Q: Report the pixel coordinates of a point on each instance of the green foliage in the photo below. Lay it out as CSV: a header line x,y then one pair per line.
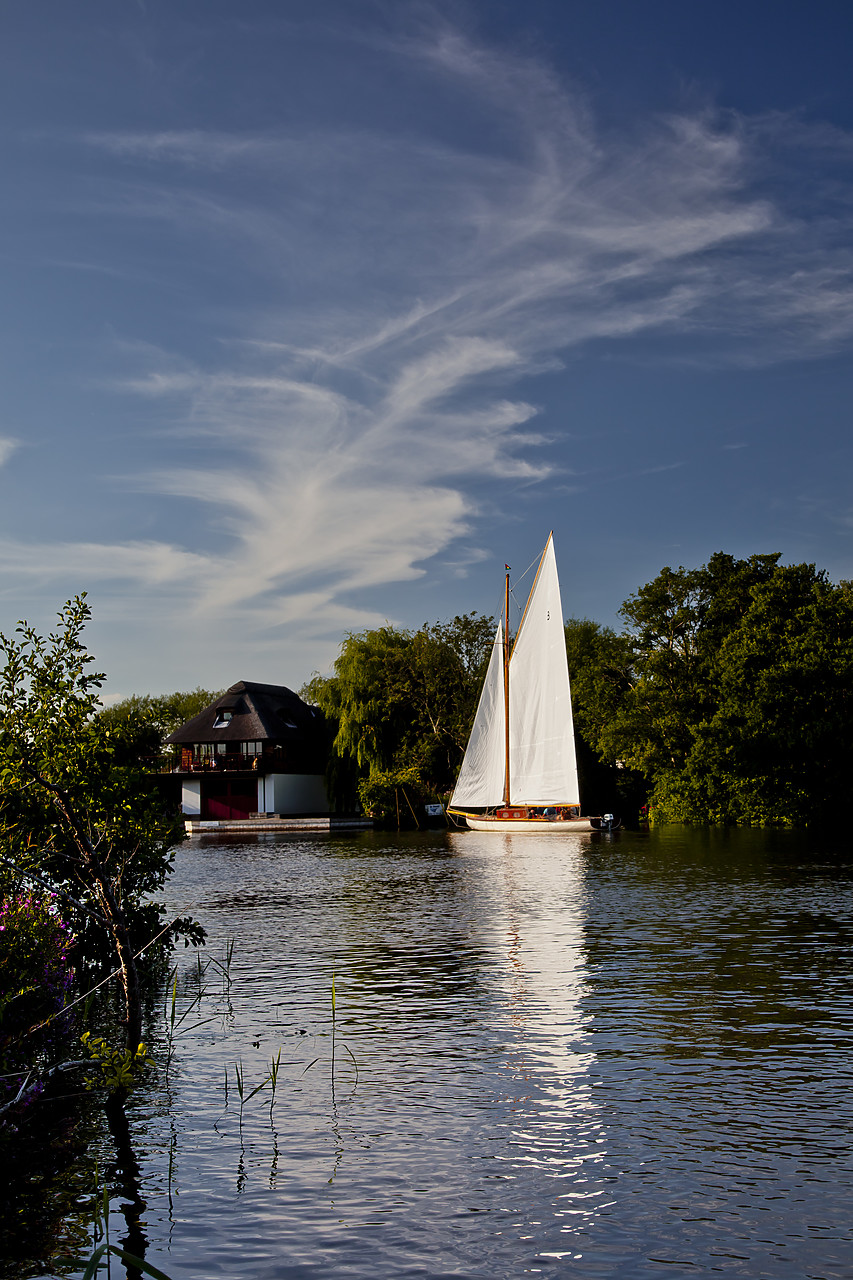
x,y
678,622
738,710
601,674
118,1069
403,701
778,747
142,722
76,817
392,795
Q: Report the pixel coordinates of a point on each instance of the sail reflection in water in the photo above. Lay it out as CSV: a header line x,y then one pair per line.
x,y
549,1125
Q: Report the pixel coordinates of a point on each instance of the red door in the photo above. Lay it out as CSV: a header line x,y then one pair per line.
x,y
229,797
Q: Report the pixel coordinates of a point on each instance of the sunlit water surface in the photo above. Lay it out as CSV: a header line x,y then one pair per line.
x,y
593,1056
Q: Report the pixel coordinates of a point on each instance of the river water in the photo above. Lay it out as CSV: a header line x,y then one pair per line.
x,y
598,1056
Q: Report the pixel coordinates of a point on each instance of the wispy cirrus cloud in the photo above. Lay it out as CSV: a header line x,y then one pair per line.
x,y
344,436
154,564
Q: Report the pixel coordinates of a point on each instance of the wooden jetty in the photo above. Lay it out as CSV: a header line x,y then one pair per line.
x,y
274,822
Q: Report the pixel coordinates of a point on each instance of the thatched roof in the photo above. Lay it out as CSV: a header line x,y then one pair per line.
x,y
249,712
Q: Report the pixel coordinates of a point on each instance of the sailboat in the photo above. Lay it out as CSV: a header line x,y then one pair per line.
x,y
520,770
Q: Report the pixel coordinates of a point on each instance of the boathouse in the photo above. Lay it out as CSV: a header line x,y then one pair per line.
x,y
259,749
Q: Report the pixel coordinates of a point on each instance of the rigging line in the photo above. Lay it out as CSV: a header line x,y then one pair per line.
x,y
498,613
532,565
518,582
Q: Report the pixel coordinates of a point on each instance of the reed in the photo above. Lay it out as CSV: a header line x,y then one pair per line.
x,y
170,1028
275,1063
238,1074
222,967
333,1032
245,1097
344,1045
175,1021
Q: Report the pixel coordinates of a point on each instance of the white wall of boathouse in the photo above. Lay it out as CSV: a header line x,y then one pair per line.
x,y
191,795
292,793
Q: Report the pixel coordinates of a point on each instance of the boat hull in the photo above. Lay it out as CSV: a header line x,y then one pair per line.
x,y
529,826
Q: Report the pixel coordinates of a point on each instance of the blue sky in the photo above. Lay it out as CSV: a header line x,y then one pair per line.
x,y
315,314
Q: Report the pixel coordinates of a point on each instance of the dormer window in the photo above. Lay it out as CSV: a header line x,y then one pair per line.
x,y
223,719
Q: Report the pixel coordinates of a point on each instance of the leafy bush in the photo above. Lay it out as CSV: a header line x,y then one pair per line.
x,y
393,796
75,815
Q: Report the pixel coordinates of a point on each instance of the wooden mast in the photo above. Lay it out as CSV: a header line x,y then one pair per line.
x,y
506,693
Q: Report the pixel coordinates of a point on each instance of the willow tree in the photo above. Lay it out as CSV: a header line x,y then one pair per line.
x,y
402,703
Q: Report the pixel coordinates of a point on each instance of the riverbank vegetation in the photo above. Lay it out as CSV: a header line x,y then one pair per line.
x,y
85,845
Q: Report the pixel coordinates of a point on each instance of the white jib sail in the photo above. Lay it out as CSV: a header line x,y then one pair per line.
x,y
481,778
542,765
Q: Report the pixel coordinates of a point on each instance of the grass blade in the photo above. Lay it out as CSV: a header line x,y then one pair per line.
x,y
93,1265
131,1260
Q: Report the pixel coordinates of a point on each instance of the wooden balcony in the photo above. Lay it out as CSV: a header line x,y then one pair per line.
x,y
232,762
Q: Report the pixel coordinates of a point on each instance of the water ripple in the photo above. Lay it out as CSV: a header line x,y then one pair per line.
x,y
600,1057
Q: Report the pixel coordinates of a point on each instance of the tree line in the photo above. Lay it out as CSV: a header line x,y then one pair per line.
x,y
729,693
726,698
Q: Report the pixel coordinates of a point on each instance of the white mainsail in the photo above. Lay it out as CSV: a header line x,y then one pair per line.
x,y
481,778
542,763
